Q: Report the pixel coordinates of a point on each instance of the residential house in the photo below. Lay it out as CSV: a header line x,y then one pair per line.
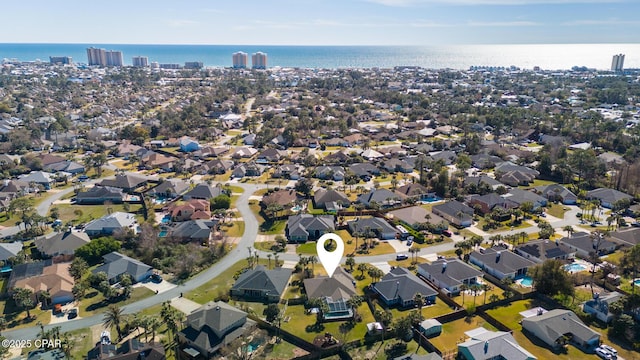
x,y
555,192
449,274
335,291
250,168
447,157
116,265
584,245
540,251
131,349
556,325
287,171
371,154
194,231
271,156
212,326
154,160
126,149
381,197
335,173
600,304
500,262
337,157
9,250
455,213
608,197
61,243
217,166
284,198
520,197
396,165
66,166
330,199
107,224
169,189
188,145
400,286
626,237
127,182
509,167
261,284
100,195
364,170
417,216
483,344
193,209
42,178
372,227
304,227
516,178
412,191
476,183
485,161
243,153
249,139
44,276
489,202
203,191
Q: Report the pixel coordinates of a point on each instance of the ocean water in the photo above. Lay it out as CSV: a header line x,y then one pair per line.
x,y
547,56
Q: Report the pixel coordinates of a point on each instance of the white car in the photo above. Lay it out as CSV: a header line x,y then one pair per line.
x,y
603,354
610,350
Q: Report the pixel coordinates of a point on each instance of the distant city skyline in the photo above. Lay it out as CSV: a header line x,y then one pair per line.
x,y
324,22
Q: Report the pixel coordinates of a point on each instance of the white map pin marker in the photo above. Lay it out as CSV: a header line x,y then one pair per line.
x,y
330,260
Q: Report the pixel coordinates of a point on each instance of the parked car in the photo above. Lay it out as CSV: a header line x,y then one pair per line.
x,y
156,278
610,349
447,233
603,354
72,314
409,242
402,257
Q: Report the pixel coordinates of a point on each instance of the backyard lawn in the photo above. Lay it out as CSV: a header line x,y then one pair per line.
x,y
509,316
453,332
84,213
16,318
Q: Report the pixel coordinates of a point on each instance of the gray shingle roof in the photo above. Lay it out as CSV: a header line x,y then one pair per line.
x,y
544,249
555,323
450,272
113,221
193,229
217,316
381,196
608,195
126,181
495,344
61,243
272,281
203,191
117,264
501,259
9,250
336,287
402,284
174,186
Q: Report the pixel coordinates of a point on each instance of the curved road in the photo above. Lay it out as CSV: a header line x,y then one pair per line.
x,y
238,253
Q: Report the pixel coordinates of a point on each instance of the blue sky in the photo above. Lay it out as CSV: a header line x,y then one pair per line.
x,y
321,22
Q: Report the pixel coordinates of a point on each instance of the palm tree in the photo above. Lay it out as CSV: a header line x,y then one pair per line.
x,y
112,318
493,298
463,289
362,267
350,262
486,288
419,300
24,299
275,259
269,258
354,302
568,229
313,260
3,324
45,297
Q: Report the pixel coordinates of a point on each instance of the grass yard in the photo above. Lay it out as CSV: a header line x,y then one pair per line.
x,y
17,318
556,210
93,302
376,351
235,230
218,285
235,189
382,248
469,299
82,343
453,332
509,315
430,311
280,351
504,225
407,263
304,325
85,213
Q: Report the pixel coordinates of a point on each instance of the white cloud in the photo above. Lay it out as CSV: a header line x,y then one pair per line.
x,y
600,22
503,23
406,3
177,23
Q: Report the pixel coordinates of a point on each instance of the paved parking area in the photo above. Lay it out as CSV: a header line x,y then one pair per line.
x,y
185,305
160,287
62,316
383,265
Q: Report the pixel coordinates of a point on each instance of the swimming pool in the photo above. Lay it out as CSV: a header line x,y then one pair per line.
x,y
163,233
526,281
296,208
574,267
166,219
636,282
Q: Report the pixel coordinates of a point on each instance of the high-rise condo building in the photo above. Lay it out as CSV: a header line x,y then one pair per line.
x,y
102,57
140,61
259,60
96,56
63,60
240,60
193,65
617,64
114,58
